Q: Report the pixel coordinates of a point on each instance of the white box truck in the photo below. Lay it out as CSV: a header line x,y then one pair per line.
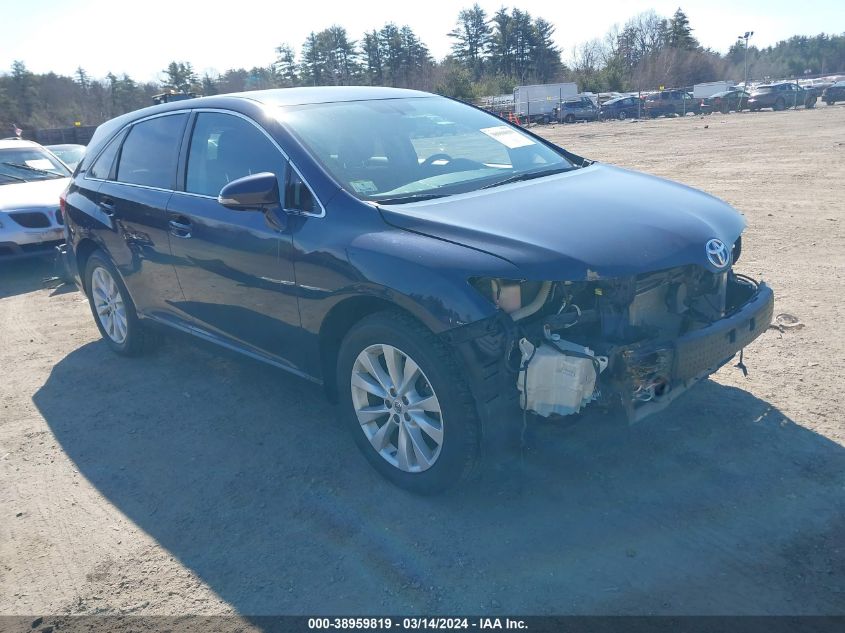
x,y
708,89
538,102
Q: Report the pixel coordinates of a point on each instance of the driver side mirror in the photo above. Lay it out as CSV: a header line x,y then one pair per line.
x,y
256,191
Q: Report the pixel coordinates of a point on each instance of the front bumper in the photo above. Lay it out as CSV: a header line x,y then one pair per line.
x,y
688,359
18,241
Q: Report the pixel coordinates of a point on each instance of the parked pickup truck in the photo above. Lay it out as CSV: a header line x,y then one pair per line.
x,y
834,93
670,102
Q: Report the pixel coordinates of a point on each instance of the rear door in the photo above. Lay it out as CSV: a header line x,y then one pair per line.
x,y
234,267
132,200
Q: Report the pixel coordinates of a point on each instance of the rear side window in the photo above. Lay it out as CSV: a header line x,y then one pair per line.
x,y
101,168
151,152
225,148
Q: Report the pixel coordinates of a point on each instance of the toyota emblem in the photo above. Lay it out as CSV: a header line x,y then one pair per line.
x,y
718,253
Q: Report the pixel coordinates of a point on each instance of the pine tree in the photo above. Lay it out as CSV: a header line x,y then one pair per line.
x,y
680,32
471,35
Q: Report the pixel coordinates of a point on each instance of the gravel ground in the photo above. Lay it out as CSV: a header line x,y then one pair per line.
x,y
192,481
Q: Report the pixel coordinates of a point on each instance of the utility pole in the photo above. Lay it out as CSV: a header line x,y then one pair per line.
x,y
746,37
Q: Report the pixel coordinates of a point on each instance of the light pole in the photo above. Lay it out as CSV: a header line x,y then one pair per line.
x,y
746,37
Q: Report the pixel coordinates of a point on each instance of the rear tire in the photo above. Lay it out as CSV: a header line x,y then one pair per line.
x,y
622,115
112,307
780,104
387,364
569,118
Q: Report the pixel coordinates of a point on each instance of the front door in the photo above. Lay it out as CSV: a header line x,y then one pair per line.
x,y
235,268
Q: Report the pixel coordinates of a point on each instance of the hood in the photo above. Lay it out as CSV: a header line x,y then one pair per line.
x,y
595,222
36,194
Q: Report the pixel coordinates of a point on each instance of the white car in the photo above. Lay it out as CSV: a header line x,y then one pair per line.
x,y
31,180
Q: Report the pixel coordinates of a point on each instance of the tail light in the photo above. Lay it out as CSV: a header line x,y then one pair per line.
x,y
60,212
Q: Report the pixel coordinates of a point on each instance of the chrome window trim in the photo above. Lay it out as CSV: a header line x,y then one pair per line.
x,y
293,166
188,111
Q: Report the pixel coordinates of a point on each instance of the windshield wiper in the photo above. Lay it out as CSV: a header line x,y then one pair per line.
x,y
416,197
529,175
40,171
10,176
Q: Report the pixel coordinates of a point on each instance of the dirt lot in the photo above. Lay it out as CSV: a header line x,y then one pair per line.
x,y
189,481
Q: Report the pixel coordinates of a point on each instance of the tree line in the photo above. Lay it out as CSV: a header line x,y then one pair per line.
x,y
490,54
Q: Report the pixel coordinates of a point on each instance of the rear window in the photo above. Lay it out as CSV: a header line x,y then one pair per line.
x,y
151,151
102,166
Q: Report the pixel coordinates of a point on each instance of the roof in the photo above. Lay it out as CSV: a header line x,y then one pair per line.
x,y
326,94
10,143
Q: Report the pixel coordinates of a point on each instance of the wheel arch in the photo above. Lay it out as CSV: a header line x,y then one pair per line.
x,y
83,251
339,321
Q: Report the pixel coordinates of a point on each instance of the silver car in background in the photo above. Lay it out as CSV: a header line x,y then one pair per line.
x,y
31,181
69,153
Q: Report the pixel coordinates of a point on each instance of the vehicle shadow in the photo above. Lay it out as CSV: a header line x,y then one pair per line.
x,y
24,275
719,505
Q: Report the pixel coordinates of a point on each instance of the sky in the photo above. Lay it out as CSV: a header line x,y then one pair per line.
x,y
141,38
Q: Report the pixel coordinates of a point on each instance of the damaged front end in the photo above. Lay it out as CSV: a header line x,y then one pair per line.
x,y
638,342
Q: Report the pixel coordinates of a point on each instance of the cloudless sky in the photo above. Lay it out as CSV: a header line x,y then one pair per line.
x,y
141,38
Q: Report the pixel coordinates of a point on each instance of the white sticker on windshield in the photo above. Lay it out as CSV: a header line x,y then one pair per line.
x,y
507,136
39,163
363,186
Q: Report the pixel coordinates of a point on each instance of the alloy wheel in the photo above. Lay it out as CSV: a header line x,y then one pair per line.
x,y
108,304
397,408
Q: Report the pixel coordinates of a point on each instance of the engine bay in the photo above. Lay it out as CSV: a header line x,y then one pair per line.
x,y
635,341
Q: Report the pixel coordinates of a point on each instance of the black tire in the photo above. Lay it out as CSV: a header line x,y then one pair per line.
x,y
725,108
622,115
569,118
780,104
830,101
810,103
133,343
459,453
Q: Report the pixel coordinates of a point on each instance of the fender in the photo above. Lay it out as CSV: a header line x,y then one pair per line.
x,y
427,277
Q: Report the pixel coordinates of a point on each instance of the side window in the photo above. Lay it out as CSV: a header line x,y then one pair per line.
x,y
101,168
224,148
151,151
298,196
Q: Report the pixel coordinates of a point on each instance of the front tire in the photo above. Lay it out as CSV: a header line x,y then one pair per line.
x,y
407,404
112,307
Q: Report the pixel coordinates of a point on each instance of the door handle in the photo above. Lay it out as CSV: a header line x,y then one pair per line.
x,y
180,228
107,206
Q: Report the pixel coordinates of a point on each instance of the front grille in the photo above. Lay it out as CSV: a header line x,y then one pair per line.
x,y
31,219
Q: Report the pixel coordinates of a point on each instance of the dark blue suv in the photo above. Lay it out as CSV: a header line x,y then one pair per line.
x,y
440,271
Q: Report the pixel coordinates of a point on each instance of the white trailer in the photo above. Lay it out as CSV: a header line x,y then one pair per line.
x,y
708,89
540,100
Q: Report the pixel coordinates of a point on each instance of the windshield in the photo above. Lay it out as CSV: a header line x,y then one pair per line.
x,y
25,164
69,154
399,150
